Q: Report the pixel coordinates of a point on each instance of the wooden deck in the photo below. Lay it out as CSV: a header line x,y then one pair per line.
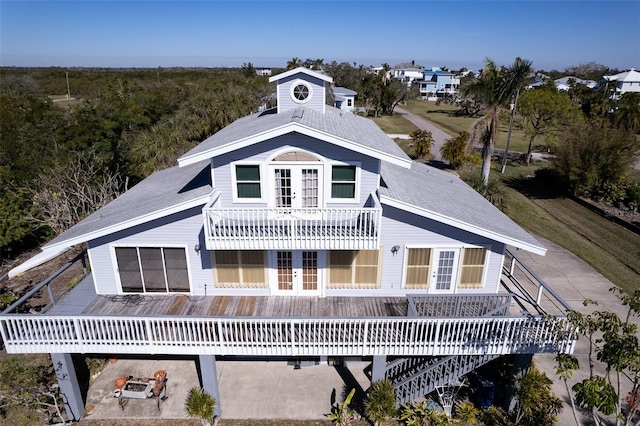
x,y
248,306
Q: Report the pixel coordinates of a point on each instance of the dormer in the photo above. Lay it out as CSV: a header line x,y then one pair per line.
x,y
301,87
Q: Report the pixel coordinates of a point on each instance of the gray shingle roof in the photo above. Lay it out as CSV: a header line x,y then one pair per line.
x,y
350,127
445,195
162,190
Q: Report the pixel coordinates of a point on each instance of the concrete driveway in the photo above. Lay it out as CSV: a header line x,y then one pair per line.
x,y
439,136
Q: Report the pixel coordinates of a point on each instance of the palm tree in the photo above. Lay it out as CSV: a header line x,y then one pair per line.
x,y
294,63
201,405
495,88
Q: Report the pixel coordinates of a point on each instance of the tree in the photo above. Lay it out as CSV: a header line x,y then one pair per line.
x,y
294,63
342,414
496,87
29,383
546,112
248,70
454,150
592,157
614,342
422,141
201,405
380,404
422,414
627,112
535,402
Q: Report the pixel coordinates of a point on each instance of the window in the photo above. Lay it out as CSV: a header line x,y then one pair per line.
x,y
349,102
354,269
301,92
152,269
248,181
418,268
343,182
240,268
473,261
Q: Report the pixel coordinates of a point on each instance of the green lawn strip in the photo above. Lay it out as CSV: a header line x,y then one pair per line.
x,y
395,124
442,116
609,248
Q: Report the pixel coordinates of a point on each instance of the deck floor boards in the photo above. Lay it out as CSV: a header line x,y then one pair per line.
x,y
248,306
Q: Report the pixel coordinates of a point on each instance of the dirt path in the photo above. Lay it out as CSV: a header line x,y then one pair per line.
x,y
439,136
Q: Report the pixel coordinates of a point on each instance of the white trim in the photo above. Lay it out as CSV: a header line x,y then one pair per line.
x,y
43,257
177,208
114,264
463,225
291,128
296,168
485,269
234,189
302,70
358,179
300,82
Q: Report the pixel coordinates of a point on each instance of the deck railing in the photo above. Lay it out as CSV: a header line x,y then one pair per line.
x,y
292,228
284,336
467,305
534,296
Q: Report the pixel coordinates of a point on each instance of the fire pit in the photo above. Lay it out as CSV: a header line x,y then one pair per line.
x,y
142,388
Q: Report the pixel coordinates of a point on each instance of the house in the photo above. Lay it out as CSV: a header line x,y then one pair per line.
x,y
263,72
437,84
407,75
297,232
345,99
565,83
621,83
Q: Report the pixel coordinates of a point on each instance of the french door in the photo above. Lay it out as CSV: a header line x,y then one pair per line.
x,y
297,186
296,273
444,271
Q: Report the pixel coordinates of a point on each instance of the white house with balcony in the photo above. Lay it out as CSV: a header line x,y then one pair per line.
x,y
621,83
298,232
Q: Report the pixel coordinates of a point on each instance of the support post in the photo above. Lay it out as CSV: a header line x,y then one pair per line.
x,y
209,377
379,368
69,386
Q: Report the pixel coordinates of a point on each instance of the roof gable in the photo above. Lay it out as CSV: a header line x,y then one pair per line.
x,y
301,70
350,131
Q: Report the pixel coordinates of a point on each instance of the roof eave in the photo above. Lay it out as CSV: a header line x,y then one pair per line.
x,y
290,128
540,250
88,236
304,70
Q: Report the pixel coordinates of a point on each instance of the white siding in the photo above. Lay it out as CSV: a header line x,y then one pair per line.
x,y
266,150
180,229
316,100
402,229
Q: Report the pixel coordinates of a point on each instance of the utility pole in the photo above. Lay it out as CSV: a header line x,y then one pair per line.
x,y
506,148
68,91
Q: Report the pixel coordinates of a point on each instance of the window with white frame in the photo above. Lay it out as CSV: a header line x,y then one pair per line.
x,y
472,267
247,178
418,272
350,269
343,182
240,268
152,269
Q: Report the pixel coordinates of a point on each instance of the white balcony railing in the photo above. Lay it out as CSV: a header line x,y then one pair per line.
x,y
292,228
284,336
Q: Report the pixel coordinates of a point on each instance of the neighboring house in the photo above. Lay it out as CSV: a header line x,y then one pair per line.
x,y
564,83
345,99
619,84
407,75
303,233
437,84
263,72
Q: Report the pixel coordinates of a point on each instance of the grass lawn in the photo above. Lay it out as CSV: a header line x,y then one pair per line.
x,y
443,116
395,124
610,249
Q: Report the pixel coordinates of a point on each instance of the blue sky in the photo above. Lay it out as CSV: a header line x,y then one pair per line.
x,y
552,34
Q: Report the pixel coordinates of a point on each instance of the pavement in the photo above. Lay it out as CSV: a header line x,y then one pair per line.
x,y
274,389
439,136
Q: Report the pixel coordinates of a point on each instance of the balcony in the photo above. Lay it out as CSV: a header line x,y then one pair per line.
x,y
292,228
514,321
